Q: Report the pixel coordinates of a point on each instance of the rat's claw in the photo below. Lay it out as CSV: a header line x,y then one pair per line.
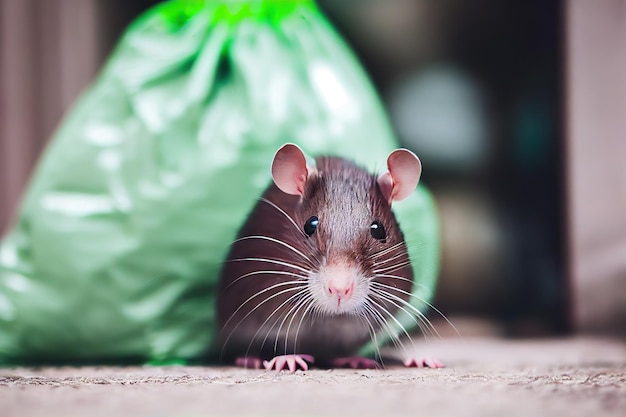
x,y
423,362
292,361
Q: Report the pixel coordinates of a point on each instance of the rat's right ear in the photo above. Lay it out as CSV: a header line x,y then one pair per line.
x,y
289,169
404,170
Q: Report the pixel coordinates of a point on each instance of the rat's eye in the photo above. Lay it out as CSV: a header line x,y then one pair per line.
x,y
311,225
378,231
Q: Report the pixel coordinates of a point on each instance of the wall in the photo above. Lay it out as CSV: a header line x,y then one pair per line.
x,y
49,50
596,123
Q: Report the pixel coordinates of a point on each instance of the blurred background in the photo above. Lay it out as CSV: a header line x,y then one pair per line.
x,y
516,109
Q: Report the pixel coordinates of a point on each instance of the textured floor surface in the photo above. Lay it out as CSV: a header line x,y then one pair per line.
x,y
484,377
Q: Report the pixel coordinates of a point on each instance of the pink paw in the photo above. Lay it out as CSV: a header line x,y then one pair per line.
x,y
249,362
355,363
292,362
423,363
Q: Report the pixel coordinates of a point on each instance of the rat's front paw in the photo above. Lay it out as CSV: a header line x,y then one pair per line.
x,y
423,363
356,362
251,362
291,362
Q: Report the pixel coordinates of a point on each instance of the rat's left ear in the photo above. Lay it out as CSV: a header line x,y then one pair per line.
x,y
404,170
290,169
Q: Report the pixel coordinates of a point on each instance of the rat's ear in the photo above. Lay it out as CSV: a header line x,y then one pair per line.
x,y
289,169
402,177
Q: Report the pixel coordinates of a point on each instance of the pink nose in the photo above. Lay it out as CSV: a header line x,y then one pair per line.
x,y
341,291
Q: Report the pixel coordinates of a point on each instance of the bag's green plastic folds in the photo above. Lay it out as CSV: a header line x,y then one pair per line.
x,y
117,248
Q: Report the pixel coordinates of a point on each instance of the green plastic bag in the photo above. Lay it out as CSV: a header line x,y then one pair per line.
x,y
117,248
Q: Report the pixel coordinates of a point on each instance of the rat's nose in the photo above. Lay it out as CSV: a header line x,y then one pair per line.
x,y
341,291
338,287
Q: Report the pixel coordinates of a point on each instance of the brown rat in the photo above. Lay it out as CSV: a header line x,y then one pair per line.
x,y
319,266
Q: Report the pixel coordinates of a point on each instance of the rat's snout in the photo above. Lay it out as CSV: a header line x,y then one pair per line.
x,y
340,288
340,280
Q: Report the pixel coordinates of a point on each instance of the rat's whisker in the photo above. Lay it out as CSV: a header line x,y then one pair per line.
x,y
310,301
293,311
263,325
397,246
422,301
387,290
384,261
384,330
382,322
277,241
415,310
284,213
399,278
265,272
272,261
382,325
418,317
363,317
299,298
399,325
392,267
293,284
294,287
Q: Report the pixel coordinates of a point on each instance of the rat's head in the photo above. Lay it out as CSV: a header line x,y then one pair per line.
x,y
348,232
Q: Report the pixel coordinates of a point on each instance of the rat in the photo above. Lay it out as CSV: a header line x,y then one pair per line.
x,y
320,266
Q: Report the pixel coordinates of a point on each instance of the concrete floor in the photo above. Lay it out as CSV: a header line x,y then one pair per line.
x,y
484,377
